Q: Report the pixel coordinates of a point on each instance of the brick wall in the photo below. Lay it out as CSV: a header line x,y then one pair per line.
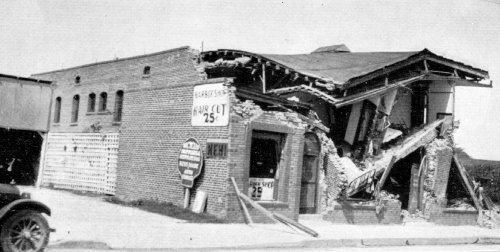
x,y
168,68
351,213
288,199
157,122
452,217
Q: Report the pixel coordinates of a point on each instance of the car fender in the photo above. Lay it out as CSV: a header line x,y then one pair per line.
x,y
25,204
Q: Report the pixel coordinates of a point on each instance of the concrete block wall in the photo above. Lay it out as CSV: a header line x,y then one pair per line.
x,y
171,67
157,123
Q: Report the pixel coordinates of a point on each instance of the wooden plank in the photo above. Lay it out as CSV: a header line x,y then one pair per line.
x,y
384,176
243,205
263,78
465,178
258,207
289,221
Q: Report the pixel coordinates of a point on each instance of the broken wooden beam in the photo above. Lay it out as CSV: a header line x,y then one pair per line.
x,y
384,176
289,221
465,179
273,216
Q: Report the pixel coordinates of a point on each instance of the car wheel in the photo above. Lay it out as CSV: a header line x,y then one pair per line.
x,y
25,230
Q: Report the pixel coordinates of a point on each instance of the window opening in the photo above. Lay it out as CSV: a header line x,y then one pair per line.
x,y
57,112
74,109
77,79
103,101
118,106
146,70
91,103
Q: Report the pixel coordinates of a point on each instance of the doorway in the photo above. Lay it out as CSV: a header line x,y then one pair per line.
x,y
265,161
309,181
19,156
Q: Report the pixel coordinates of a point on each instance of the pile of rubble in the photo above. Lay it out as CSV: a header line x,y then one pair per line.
x,y
460,204
247,109
334,176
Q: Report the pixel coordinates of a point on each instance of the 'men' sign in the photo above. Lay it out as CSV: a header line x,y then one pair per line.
x,y
210,105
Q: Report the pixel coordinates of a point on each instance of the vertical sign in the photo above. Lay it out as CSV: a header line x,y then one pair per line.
x,y
190,162
210,105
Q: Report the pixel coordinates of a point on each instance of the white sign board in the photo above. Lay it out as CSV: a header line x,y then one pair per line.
x,y
261,188
210,105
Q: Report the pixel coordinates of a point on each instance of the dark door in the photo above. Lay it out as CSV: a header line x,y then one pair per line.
x,y
418,106
309,185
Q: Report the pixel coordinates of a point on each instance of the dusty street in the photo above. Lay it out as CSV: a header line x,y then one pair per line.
x,y
90,222
455,248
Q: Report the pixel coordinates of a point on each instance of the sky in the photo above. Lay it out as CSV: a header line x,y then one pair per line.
x,y
38,36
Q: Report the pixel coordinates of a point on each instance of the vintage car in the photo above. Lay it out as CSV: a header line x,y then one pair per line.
x,y
22,225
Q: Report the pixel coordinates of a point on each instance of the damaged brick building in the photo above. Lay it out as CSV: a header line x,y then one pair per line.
x,y
356,137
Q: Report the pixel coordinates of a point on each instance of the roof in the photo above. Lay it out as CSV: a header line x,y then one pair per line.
x,y
339,67
348,69
25,78
116,60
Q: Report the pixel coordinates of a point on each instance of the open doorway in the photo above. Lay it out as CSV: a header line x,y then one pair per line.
x,y
265,161
19,156
399,180
309,181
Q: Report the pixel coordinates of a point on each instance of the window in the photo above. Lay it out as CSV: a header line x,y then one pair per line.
x,y
91,103
118,106
146,70
265,161
74,108
57,112
103,99
77,79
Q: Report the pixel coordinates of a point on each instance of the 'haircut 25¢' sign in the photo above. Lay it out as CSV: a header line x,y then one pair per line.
x,y
210,105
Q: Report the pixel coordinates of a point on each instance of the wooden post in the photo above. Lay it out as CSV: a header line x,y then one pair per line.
x,y
263,78
465,178
186,197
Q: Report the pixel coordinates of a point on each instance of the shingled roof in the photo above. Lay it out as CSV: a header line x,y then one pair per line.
x,y
346,69
339,67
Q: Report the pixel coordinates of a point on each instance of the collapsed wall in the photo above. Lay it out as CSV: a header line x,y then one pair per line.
x,y
439,153
333,178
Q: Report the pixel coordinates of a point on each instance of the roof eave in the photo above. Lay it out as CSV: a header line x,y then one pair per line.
x,y
420,56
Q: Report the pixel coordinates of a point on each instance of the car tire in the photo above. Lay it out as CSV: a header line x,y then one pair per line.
x,y
26,230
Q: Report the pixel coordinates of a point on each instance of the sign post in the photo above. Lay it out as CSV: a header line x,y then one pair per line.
x,y
189,165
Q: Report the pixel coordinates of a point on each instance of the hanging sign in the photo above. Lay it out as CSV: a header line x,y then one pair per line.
x,y
261,188
210,105
190,162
